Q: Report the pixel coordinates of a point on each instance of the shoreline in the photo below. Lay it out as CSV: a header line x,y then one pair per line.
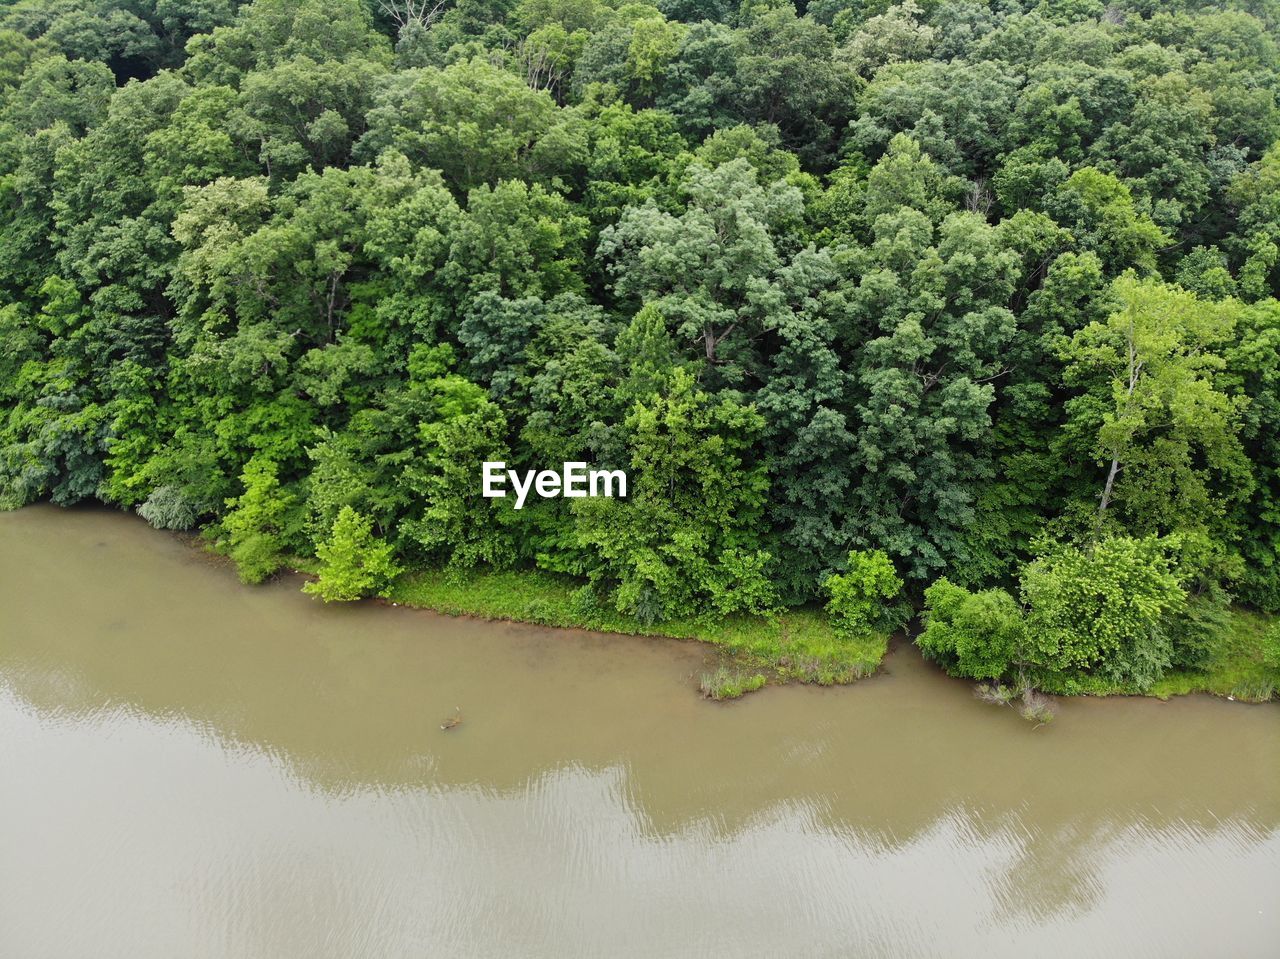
x,y
796,646
776,648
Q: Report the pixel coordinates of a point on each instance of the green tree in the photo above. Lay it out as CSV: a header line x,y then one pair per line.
x,y
862,598
1100,210
708,269
1256,244
687,534
927,320
462,428
515,240
1104,610
979,635
353,562
1253,373
1153,414
256,521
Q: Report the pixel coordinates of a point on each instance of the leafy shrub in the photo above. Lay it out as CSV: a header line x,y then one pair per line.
x,y
862,597
979,635
742,583
1197,631
354,562
256,522
1103,609
168,507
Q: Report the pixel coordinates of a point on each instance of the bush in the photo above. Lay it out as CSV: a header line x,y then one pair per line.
x,y
1104,609
978,635
862,598
354,562
1271,649
1034,706
742,583
1198,630
168,507
256,522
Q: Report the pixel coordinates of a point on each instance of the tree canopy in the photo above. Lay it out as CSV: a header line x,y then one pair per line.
x,y
970,304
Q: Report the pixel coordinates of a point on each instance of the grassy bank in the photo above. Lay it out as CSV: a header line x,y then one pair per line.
x,y
1244,664
799,645
794,645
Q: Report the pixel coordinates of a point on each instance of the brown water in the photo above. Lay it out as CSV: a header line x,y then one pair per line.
x,y
192,768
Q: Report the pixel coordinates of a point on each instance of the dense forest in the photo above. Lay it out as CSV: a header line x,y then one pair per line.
x,y
960,306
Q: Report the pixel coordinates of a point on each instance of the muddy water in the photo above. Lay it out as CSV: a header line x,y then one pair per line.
x,y
192,768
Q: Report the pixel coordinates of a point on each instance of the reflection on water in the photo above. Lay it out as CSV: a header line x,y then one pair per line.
x,y
192,768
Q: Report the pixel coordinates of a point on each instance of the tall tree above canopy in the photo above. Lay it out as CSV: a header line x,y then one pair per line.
x,y
1153,414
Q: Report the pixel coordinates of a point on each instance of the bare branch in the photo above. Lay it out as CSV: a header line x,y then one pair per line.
x,y
418,13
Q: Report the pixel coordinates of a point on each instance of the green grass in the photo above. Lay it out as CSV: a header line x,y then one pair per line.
x,y
797,644
725,683
1244,664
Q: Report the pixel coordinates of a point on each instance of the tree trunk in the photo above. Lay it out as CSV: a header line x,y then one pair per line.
x,y
1135,372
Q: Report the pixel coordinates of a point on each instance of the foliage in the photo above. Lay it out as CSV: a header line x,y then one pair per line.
x,y
687,534
797,644
1103,609
1242,663
920,283
979,635
353,562
1150,397
862,597
256,521
724,683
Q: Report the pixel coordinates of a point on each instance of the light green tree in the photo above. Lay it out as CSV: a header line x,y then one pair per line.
x,y
1152,413
862,597
978,635
256,521
1105,609
353,562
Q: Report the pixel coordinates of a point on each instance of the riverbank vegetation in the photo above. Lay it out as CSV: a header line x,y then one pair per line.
x,y
794,644
956,307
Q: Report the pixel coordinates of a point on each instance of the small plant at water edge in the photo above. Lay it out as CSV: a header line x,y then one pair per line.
x,y
1034,707
725,683
863,598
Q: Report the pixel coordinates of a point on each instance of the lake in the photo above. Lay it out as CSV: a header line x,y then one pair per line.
x,y
191,767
